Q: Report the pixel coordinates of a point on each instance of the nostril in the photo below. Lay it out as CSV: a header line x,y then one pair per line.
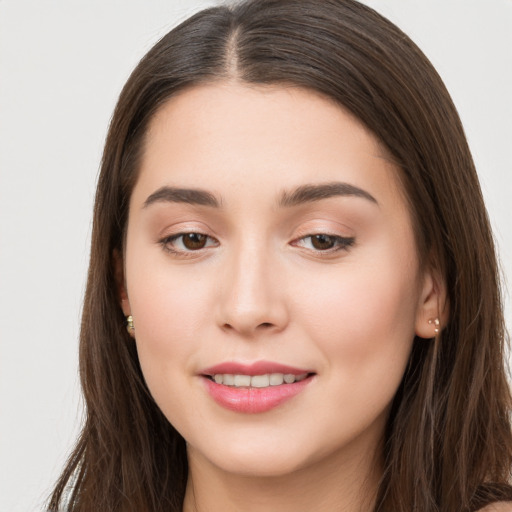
x,y
266,325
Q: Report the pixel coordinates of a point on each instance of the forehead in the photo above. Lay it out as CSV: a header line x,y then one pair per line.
x,y
247,109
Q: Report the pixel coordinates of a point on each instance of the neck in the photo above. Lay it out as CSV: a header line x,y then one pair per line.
x,y
346,481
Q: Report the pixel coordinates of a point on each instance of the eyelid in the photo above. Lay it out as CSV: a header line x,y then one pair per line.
x,y
323,228
181,227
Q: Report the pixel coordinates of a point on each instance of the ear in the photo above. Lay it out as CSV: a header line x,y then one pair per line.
x,y
432,305
121,282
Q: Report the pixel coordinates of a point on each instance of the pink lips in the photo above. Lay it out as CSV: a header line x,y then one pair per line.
x,y
251,399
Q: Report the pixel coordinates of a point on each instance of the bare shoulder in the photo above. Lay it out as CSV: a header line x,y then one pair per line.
x,y
502,506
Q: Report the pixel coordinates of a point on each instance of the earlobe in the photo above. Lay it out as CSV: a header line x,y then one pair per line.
x,y
432,312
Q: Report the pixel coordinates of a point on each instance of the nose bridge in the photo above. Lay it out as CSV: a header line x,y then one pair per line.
x,y
252,296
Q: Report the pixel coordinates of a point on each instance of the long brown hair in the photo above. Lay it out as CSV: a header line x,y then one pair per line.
x,y
448,444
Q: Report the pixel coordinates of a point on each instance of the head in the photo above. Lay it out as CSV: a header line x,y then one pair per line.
x,y
340,60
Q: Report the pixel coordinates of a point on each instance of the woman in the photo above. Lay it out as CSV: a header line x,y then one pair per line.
x,y
293,299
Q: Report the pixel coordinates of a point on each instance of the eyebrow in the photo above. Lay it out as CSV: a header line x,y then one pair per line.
x,y
311,193
301,195
182,195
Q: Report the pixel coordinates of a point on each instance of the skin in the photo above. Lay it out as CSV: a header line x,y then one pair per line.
x,y
260,289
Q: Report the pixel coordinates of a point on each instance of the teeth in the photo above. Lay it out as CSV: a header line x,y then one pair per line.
x,y
260,381
242,381
257,381
276,379
228,380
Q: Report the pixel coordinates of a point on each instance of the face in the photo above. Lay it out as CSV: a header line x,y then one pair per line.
x,y
271,271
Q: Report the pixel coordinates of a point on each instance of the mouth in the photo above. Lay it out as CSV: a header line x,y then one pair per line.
x,y
254,388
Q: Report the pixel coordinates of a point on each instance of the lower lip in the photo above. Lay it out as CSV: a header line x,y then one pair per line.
x,y
254,400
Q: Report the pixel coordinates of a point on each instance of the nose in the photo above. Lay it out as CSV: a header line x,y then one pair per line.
x,y
252,292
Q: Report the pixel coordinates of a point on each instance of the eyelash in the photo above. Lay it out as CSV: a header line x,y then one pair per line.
x,y
340,243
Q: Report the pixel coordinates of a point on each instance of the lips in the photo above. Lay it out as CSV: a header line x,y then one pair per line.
x,y
254,388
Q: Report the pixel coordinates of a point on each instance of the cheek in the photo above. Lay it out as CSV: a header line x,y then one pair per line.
x,y
168,332
358,301
169,308
364,327
362,318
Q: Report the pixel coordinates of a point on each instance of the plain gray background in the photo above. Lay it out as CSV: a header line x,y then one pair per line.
x,y
62,65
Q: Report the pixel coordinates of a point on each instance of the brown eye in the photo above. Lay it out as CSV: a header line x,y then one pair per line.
x,y
323,242
184,243
194,241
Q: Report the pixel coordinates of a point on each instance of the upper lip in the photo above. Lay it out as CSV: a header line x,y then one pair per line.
x,y
256,368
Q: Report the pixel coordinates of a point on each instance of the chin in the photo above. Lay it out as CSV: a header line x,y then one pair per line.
x,y
252,459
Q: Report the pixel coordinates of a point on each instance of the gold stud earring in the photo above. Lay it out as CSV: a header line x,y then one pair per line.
x,y
436,322
129,324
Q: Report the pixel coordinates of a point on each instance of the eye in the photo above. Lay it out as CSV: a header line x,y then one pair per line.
x,y
325,243
188,242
